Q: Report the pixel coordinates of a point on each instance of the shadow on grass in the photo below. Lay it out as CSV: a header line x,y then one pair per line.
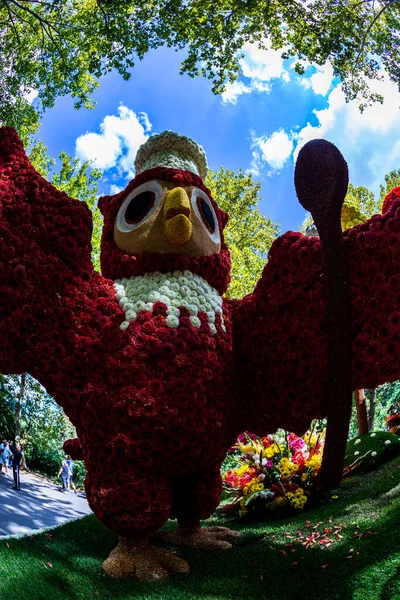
x,y
256,568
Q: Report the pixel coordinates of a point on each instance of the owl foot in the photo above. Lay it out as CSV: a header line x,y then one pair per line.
x,y
143,561
211,538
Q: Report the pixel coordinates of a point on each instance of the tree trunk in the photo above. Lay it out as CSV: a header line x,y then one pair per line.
x,y
19,407
372,404
362,417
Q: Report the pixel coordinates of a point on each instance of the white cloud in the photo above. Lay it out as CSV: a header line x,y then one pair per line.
x,y
118,141
233,91
30,96
320,81
274,150
369,141
259,67
115,189
263,65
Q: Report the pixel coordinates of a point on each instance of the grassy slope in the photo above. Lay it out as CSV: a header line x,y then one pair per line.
x,y
255,569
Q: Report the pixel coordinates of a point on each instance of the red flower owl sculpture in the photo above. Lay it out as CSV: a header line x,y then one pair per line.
x,y
157,371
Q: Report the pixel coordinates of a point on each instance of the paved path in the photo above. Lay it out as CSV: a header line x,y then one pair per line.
x,y
38,504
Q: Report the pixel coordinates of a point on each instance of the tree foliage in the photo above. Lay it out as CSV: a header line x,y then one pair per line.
x,y
42,420
248,233
392,180
58,48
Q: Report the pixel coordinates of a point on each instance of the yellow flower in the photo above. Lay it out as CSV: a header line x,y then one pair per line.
x,y
270,451
257,448
246,448
286,468
314,461
298,498
310,439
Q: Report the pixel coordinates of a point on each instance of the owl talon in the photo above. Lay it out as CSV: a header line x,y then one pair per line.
x,y
211,538
143,561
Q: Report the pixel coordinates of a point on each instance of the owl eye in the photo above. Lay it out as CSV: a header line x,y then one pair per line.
x,y
138,206
205,212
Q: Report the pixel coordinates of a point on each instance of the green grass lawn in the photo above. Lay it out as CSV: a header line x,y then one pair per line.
x,y
362,563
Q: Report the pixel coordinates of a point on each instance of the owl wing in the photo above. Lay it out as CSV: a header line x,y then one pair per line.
x,y
280,330
45,248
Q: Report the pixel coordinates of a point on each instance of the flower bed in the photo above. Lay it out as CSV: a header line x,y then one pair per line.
x,y
273,473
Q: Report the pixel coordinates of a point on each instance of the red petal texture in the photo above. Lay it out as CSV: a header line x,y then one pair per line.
x,y
156,408
279,332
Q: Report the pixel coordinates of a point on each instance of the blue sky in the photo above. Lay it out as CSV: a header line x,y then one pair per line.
x,y
259,124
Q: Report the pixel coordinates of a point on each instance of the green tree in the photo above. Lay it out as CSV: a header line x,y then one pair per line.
x,y
392,180
248,233
7,410
41,420
78,180
58,48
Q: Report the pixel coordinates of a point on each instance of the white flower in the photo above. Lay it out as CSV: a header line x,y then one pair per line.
x,y
193,309
387,442
124,325
373,434
263,462
172,321
175,290
374,453
357,441
261,477
195,321
267,494
139,305
356,453
154,296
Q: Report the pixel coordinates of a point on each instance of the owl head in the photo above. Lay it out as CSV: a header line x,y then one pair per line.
x,y
165,219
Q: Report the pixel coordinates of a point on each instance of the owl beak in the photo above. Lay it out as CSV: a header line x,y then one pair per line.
x,y
177,224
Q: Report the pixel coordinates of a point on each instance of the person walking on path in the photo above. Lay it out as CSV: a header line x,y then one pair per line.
x,y
65,473
5,457
17,452
70,465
